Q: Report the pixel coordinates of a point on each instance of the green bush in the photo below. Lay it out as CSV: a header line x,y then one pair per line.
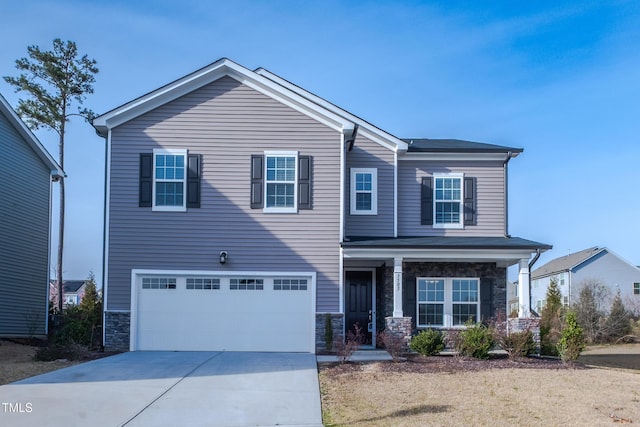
x,y
328,332
572,340
475,341
428,342
519,344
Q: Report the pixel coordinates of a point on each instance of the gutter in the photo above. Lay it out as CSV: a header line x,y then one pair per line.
x,y
533,261
506,195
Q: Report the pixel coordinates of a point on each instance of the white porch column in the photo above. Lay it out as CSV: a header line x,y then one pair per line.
x,y
524,295
397,287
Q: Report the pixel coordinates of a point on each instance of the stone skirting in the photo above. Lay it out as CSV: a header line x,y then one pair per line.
x,y
337,324
399,326
532,324
117,330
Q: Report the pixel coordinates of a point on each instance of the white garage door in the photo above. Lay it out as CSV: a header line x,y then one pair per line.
x,y
204,312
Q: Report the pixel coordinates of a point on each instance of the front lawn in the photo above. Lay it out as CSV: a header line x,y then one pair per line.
x,y
447,391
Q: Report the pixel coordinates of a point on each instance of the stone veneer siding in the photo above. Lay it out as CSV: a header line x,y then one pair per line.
x,y
486,271
337,323
117,327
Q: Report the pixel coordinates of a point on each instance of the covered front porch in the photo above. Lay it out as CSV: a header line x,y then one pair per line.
x,y
407,284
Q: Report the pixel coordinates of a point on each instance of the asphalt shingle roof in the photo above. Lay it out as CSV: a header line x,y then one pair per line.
x,y
565,263
444,243
455,145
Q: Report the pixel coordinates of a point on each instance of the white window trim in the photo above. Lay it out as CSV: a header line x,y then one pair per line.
x,y
448,302
374,191
183,208
293,209
460,224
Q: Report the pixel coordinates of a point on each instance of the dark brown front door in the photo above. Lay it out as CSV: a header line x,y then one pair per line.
x,y
358,300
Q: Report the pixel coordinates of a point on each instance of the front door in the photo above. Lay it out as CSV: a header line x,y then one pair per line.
x,y
358,302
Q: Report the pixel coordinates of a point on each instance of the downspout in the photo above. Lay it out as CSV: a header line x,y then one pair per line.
x,y
533,261
506,194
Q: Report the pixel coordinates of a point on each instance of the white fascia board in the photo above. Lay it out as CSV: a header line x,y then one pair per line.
x,y
223,273
375,134
207,75
467,255
30,138
422,156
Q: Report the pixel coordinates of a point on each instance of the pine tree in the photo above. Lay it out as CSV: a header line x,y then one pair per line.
x,y
618,322
54,80
550,319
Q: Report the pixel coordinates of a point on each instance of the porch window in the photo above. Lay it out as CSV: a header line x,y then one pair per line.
x,y
447,302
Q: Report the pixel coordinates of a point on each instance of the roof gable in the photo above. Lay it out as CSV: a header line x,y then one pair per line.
x,y
30,138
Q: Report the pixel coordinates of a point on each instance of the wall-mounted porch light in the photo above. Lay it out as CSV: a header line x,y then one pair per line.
x,y
223,257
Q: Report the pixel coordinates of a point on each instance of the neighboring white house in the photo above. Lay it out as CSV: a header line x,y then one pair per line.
x,y
594,264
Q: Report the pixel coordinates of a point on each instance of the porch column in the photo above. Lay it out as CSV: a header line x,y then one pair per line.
x,y
397,287
524,295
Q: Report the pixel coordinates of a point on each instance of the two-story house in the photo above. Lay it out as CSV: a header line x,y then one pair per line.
x,y
243,211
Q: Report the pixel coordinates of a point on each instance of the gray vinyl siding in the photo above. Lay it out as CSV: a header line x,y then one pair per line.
x,y
368,154
24,233
490,201
226,122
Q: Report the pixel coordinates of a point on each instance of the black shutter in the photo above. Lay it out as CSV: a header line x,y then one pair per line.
x,y
426,201
469,201
256,181
146,180
305,173
193,181
486,299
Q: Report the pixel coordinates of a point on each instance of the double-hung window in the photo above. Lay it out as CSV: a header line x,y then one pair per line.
x,y
364,191
169,180
447,302
280,182
636,288
447,201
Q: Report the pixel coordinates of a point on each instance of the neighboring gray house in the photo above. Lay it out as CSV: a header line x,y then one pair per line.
x,y
25,212
242,210
595,264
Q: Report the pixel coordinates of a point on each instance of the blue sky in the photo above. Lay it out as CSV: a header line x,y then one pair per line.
x,y
559,79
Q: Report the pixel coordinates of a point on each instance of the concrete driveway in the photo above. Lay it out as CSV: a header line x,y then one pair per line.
x,y
170,389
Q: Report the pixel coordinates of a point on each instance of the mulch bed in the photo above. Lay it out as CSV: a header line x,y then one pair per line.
x,y
414,363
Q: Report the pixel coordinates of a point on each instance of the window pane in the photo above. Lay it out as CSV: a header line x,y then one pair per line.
x,y
363,201
280,195
431,314
447,213
465,290
464,312
169,193
430,290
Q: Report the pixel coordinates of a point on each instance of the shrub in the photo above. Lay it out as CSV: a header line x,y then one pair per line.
x,y
428,342
550,320
69,351
519,344
393,343
475,341
572,339
345,346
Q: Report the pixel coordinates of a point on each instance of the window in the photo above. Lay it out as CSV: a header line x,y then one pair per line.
x,y
448,201
169,180
636,288
289,284
159,283
280,182
364,191
246,284
447,302
203,283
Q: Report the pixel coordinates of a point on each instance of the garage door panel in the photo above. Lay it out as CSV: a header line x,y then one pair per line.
x,y
278,317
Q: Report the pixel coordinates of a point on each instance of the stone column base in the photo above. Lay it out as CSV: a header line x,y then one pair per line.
x,y
399,326
532,324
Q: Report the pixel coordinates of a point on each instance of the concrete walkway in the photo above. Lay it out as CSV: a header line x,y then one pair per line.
x,y
171,389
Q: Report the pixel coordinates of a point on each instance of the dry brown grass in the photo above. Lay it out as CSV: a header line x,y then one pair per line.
x,y
437,393
16,362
